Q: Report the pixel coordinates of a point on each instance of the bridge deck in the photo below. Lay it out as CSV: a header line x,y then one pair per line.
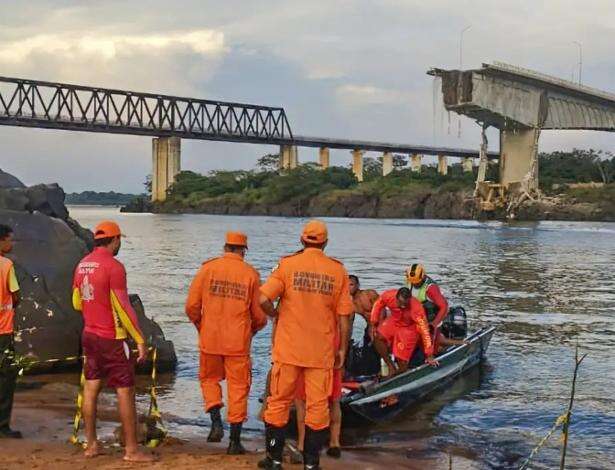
x,y
39,104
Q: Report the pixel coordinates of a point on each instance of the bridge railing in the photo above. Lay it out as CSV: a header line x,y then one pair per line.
x,y
61,106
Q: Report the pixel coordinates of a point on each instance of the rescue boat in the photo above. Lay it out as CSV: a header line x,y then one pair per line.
x,y
377,401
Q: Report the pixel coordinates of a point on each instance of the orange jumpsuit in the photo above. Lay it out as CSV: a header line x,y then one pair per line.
x,y
8,286
313,292
223,303
403,328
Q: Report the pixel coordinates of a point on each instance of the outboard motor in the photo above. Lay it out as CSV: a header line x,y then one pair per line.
x,y
455,325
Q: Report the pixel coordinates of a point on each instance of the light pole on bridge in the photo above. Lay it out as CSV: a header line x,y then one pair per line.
x,y
460,67
580,46
461,45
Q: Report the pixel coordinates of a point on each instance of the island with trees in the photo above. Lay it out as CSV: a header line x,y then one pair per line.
x,y
577,185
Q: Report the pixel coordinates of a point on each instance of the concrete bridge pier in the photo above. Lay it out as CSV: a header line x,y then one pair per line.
x,y
289,158
442,165
323,158
387,163
357,164
467,164
518,157
416,163
166,164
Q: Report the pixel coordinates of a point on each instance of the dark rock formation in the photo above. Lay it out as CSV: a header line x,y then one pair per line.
x,y
421,202
48,246
138,204
414,202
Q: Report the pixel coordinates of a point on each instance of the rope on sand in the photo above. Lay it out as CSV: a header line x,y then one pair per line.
x,y
156,432
558,422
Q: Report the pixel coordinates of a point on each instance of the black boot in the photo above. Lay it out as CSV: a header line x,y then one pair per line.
x,y
216,432
234,446
314,442
8,433
274,441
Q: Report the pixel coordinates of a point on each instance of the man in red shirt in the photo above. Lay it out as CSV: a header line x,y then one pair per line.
x,y
100,292
9,297
400,331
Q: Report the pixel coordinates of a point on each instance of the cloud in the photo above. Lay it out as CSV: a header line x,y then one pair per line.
x,y
367,95
204,42
349,69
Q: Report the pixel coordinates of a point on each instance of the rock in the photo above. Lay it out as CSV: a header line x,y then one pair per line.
x,y
449,205
48,246
8,181
138,205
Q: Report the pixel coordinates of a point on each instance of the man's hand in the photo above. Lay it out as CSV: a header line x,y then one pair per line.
x,y
432,361
142,349
373,328
340,358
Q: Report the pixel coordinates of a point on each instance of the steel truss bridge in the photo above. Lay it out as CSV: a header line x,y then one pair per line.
x,y
40,104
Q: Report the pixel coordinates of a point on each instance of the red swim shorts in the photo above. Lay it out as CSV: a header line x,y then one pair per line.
x,y
336,386
401,339
109,359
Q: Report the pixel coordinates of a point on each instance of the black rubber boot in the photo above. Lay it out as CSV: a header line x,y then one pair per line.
x,y
274,441
314,442
234,446
8,433
216,432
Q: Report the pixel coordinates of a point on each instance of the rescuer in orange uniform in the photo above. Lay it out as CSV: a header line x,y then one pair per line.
x,y
9,298
223,303
400,332
314,302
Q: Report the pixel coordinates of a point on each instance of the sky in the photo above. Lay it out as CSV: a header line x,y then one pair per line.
x,y
339,68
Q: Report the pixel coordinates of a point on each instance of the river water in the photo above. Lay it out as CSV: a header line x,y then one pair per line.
x,y
546,286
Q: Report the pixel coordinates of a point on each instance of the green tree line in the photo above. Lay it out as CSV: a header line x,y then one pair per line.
x,y
265,184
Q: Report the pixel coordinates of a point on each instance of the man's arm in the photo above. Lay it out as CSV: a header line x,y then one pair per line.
x,y
435,295
267,306
271,290
257,314
344,309
420,319
443,340
14,287
120,303
344,332
194,301
376,313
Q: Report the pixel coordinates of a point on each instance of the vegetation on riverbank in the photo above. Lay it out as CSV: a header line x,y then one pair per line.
x,y
93,198
309,190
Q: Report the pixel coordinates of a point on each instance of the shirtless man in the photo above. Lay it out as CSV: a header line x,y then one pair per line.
x,y
363,300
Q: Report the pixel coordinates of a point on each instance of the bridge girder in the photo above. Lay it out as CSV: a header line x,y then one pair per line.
x,y
30,103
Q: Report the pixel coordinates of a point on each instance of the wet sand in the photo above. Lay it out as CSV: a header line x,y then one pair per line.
x,y
44,411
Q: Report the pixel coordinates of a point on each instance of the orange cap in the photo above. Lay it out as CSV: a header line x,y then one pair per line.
x,y
237,239
107,229
314,231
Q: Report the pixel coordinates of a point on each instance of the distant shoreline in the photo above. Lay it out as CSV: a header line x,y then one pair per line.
x,y
94,198
429,204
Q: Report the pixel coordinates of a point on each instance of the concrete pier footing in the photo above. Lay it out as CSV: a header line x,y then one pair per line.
x,y
166,164
416,162
289,158
324,158
467,165
442,165
517,157
387,163
357,164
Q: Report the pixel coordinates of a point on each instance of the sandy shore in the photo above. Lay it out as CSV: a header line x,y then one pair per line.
x,y
44,411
